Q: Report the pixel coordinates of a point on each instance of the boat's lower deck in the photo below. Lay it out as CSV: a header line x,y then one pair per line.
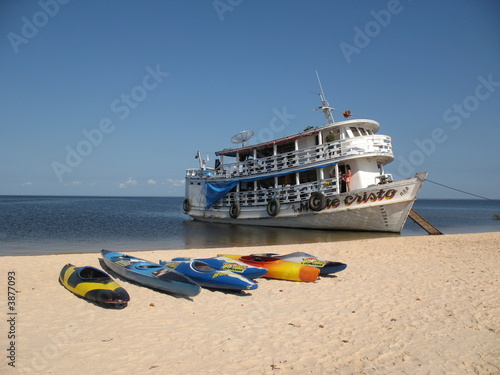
x,y
382,208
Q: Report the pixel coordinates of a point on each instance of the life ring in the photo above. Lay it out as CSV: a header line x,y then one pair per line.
x,y
234,210
273,207
186,205
317,201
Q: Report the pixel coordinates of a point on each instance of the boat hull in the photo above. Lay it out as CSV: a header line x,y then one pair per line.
x,y
381,208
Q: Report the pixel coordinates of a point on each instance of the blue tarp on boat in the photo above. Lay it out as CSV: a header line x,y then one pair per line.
x,y
217,189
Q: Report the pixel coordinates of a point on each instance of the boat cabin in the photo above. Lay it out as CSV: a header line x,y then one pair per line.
x,y
333,159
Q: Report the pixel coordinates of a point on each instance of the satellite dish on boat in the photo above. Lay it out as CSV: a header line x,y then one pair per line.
x,y
242,137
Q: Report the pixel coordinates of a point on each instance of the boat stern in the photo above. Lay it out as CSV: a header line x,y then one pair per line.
x,y
194,195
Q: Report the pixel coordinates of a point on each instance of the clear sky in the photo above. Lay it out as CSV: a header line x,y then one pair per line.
x,y
115,97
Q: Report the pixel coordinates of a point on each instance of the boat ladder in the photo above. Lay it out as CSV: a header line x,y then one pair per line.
x,y
428,227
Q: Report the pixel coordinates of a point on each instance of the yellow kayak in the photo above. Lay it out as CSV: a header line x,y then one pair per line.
x,y
94,285
278,268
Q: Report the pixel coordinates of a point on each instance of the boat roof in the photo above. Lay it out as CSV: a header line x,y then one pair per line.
x,y
374,126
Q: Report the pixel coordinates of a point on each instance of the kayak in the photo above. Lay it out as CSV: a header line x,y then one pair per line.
x,y
279,268
228,264
93,284
150,274
325,267
209,277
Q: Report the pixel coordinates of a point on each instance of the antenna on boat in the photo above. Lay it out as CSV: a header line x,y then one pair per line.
x,y
325,108
242,137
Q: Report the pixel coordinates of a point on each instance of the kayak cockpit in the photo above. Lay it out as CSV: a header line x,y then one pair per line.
x,y
91,273
147,266
260,258
203,267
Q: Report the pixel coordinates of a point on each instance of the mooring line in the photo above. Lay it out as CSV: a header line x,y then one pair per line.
x,y
465,192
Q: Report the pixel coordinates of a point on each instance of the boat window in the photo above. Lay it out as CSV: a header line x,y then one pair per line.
x,y
355,131
369,131
286,180
308,176
268,183
362,130
245,186
286,147
265,152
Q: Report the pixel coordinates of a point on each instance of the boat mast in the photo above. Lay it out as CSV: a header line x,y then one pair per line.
x,y
325,108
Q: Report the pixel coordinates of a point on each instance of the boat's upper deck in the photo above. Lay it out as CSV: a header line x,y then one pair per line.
x,y
337,142
344,129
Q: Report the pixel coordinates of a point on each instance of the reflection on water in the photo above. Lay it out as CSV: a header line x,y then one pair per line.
x,y
210,235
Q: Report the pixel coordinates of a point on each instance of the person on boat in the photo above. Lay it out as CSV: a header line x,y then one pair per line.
x,y
332,173
347,178
341,180
331,136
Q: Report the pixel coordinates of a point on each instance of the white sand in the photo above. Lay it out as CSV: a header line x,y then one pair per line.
x,y
404,305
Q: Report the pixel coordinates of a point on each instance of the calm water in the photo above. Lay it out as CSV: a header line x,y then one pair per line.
x,y
47,225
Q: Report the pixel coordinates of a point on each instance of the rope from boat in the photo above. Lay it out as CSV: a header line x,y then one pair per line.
x,y
461,191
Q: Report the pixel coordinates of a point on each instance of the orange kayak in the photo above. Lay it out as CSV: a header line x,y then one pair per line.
x,y
278,268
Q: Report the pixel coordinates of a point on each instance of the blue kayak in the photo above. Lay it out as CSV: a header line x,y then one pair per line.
x,y
326,267
228,264
150,274
210,277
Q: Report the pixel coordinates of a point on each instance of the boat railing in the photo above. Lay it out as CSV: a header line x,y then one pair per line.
x,y
372,144
285,194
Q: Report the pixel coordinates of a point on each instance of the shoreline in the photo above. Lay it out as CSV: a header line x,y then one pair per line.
x,y
422,304
363,236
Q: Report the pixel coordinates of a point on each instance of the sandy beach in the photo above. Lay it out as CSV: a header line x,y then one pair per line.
x,y
404,305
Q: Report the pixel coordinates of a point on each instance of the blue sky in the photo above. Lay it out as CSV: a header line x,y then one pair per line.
x,y
115,97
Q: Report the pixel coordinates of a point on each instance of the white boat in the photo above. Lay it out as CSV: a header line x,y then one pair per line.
x,y
328,177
